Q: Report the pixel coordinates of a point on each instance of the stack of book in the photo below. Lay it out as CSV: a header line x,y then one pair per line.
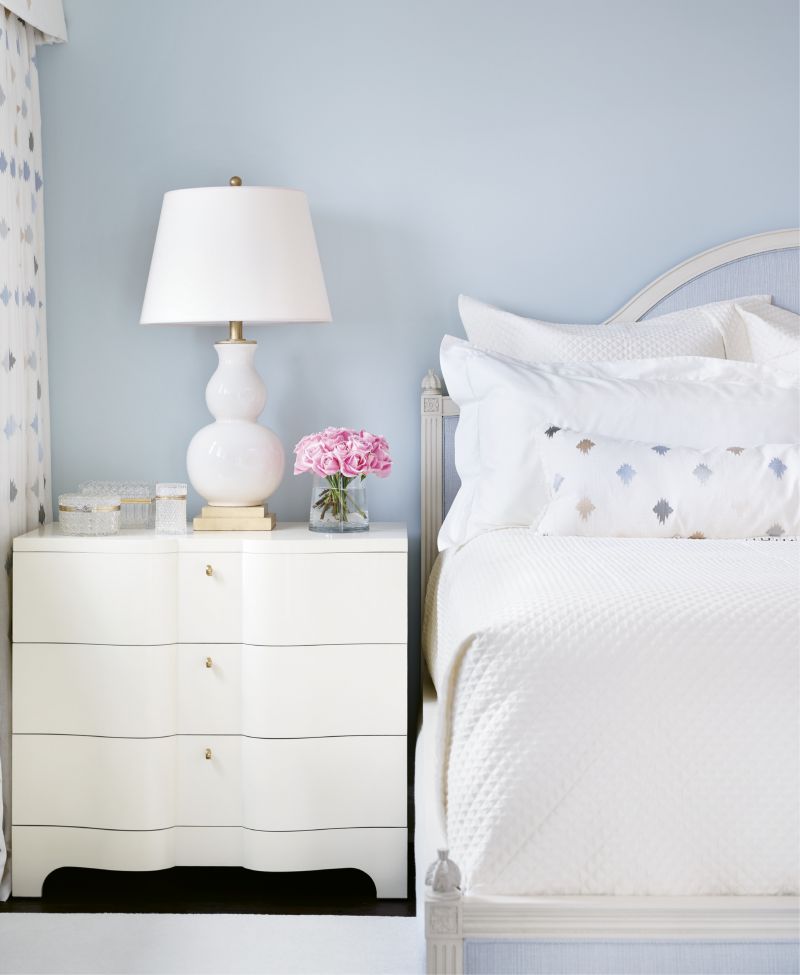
x,y
218,519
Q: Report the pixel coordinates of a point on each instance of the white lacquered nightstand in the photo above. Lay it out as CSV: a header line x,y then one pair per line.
x,y
235,700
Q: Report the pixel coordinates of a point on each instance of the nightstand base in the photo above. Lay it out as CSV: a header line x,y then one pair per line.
x,y
381,853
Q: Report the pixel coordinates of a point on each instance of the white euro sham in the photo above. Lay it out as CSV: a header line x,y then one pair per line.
x,y
504,403
700,331
769,335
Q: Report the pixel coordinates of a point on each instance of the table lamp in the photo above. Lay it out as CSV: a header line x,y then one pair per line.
x,y
234,254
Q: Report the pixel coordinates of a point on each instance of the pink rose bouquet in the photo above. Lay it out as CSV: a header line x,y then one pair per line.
x,y
341,456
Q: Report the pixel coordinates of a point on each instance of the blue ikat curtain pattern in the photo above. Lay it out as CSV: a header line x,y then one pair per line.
x,y
24,407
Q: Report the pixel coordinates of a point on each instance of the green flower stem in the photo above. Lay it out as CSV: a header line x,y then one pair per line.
x,y
336,498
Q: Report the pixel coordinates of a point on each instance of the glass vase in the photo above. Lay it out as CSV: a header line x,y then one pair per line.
x,y
339,504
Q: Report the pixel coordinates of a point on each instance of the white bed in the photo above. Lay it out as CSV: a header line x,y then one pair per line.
x,y
563,750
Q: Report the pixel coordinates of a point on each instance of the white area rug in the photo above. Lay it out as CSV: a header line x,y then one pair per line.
x,y
197,944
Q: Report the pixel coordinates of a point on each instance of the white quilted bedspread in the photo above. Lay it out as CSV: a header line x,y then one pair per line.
x,y
619,716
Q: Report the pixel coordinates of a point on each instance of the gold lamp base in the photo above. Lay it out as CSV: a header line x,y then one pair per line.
x,y
215,518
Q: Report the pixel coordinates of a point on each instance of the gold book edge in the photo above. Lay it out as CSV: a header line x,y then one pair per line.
x,y
265,524
210,511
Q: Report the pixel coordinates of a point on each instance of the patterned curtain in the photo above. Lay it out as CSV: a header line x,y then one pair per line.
x,y
24,408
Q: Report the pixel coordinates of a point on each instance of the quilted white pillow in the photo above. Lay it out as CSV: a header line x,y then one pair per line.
x,y
766,334
605,487
504,403
699,331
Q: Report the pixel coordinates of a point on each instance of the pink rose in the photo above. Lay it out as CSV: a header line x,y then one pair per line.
x,y
380,463
355,464
334,450
306,450
331,440
360,444
335,434
326,464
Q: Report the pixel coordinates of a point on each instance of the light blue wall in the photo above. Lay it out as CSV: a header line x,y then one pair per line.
x,y
549,156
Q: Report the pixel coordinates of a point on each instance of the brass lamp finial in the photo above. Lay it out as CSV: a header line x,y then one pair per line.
x,y
235,180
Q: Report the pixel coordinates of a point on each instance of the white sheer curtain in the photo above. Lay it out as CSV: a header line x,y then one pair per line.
x,y
24,406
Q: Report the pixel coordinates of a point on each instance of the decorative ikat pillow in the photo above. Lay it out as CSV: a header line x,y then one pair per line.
x,y
622,488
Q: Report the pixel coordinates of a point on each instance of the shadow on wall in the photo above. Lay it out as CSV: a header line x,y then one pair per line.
x,y
353,373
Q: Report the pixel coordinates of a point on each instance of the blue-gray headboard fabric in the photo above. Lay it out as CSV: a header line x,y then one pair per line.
x,y
772,272
775,273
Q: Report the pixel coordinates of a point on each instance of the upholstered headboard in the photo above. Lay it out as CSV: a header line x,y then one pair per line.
x,y
762,264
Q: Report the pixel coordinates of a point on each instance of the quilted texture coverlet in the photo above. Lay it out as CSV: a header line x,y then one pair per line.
x,y
618,716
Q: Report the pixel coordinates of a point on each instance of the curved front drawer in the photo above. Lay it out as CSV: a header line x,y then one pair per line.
x,y
88,689
67,597
126,783
210,597
323,783
209,689
208,780
219,689
106,783
292,692
302,692
324,598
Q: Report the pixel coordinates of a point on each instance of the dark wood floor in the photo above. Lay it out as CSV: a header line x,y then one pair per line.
x,y
210,890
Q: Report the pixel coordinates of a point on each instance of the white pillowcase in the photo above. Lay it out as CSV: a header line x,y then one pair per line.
x,y
604,487
697,331
504,403
766,334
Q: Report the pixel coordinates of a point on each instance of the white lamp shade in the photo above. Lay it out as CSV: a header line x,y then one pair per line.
x,y
235,253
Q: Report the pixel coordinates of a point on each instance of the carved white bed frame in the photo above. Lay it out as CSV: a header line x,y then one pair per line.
x,y
451,917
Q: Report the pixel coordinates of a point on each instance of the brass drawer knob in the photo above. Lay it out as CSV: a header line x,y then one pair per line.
x,y
209,662
209,570
208,754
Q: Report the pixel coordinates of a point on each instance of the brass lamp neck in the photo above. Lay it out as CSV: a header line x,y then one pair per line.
x,y
235,335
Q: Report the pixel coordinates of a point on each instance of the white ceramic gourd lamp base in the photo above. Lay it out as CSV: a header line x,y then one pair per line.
x,y
235,254
235,462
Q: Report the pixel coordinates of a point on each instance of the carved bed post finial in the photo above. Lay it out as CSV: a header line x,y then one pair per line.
x,y
444,934
443,876
431,384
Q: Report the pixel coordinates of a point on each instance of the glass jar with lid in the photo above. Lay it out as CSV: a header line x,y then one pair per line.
x,y
81,514
136,500
171,508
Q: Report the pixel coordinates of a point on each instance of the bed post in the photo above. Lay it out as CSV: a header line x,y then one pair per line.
x,y
431,409
444,931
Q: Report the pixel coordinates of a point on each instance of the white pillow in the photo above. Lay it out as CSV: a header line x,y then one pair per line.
x,y
623,488
690,400
766,334
694,331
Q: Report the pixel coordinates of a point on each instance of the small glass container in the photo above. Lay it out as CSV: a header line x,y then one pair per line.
x,y
171,509
136,499
79,514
